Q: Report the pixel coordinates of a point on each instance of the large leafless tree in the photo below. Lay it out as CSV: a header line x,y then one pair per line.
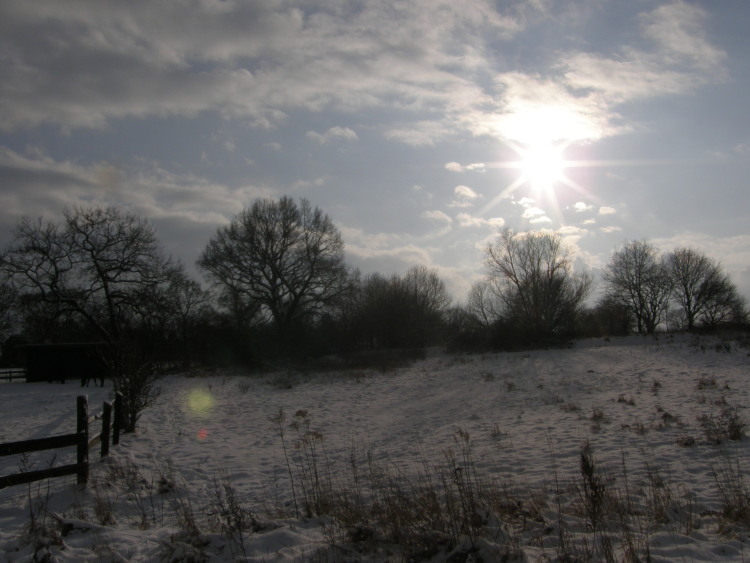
x,y
638,277
696,280
702,289
98,264
101,266
532,275
285,257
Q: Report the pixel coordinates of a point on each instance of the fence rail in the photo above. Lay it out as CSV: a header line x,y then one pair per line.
x,y
111,417
11,374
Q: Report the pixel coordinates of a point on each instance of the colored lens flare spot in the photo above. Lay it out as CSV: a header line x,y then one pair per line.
x,y
202,434
200,402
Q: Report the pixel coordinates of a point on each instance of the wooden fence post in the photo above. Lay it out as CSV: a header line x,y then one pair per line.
x,y
118,419
106,427
83,440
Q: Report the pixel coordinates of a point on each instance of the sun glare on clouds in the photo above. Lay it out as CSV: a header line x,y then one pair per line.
x,y
542,165
539,126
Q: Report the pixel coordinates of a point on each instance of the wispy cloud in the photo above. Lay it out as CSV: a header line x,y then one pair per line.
x,y
387,251
436,215
681,60
45,185
458,167
257,60
530,212
578,101
733,252
677,29
468,220
332,133
539,220
464,196
539,109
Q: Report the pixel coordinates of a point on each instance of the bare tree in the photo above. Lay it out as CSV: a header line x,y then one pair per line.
x,y
406,311
285,257
377,312
701,288
726,305
190,304
638,278
8,307
532,275
426,300
100,265
483,304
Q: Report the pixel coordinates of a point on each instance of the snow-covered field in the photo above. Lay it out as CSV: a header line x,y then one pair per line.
x,y
503,431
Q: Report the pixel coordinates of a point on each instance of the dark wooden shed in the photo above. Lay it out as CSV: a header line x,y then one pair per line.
x,y
60,362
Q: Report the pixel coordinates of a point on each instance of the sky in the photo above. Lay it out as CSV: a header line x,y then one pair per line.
x,y
421,127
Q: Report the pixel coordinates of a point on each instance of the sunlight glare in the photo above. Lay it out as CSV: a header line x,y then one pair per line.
x,y
542,165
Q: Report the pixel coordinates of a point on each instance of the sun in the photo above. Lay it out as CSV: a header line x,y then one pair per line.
x,y
542,165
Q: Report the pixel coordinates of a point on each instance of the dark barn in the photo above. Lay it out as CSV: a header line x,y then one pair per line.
x,y
60,362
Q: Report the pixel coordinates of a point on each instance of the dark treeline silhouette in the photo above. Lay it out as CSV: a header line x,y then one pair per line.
x,y
280,293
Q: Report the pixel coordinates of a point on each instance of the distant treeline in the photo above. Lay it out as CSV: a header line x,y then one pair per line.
x,y
279,291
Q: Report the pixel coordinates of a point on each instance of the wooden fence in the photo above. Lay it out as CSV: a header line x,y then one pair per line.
x,y
82,439
11,374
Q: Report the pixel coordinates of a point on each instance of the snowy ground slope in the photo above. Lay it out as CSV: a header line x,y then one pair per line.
x,y
526,414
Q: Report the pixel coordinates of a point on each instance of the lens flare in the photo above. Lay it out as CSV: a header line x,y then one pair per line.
x,y
200,402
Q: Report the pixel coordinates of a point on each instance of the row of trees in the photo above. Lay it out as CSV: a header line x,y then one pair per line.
x,y
532,291
646,283
279,288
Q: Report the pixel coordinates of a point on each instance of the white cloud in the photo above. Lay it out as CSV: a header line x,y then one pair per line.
x,y
468,220
682,60
579,102
538,109
437,215
382,250
465,197
580,207
465,192
315,182
611,229
420,133
539,220
677,29
733,252
606,210
332,133
571,230
256,60
530,212
143,187
572,235
458,167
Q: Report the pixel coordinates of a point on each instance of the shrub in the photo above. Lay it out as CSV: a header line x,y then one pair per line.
x,y
728,425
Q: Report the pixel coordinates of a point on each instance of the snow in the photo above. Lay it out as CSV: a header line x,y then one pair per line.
x,y
518,418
